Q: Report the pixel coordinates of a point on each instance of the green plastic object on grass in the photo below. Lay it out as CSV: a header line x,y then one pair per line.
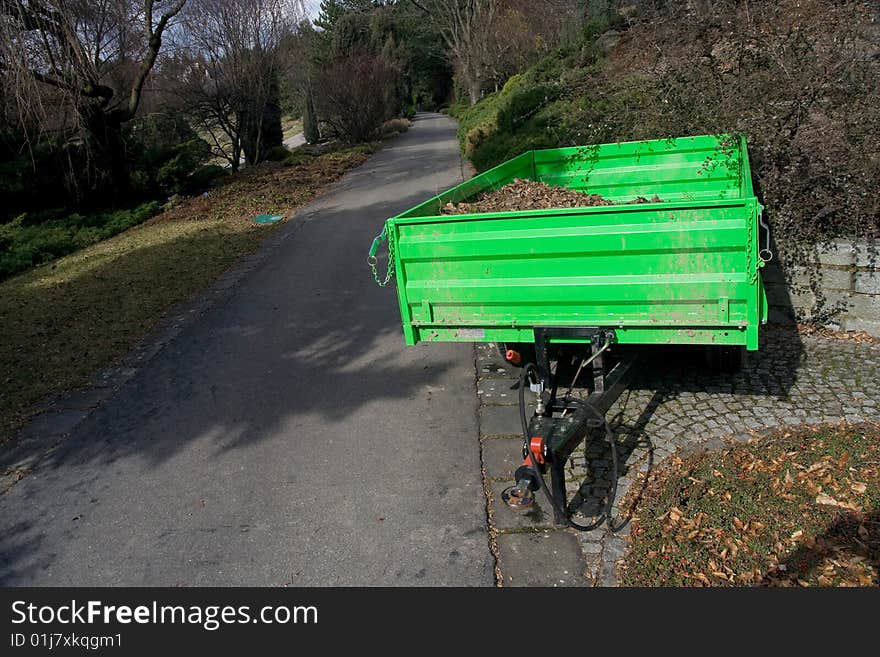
x,y
685,270
268,219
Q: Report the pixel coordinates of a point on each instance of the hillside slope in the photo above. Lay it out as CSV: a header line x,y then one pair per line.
x,y
800,78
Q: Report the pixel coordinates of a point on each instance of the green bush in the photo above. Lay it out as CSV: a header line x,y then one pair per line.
x,y
173,177
296,156
33,239
522,116
531,109
523,103
41,185
164,153
36,176
204,176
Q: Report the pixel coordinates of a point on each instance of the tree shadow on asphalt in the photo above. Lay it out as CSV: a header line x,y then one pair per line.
x,y
305,334
19,542
247,366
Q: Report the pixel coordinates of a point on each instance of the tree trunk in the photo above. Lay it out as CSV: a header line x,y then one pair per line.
x,y
108,164
236,154
261,127
310,120
474,91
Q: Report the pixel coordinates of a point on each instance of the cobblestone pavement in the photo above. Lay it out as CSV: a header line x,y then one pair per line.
x,y
674,404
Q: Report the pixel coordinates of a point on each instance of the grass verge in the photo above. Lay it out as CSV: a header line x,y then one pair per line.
x,y
62,323
801,508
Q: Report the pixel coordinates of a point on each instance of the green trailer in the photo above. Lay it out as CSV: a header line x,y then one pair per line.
x,y
583,287
681,271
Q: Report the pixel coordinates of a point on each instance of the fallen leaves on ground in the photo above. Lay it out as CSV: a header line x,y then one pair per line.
x,y
862,337
796,509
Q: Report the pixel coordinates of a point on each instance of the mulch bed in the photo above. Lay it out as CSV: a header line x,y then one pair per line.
x,y
530,195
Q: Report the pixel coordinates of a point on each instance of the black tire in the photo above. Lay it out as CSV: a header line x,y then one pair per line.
x,y
726,359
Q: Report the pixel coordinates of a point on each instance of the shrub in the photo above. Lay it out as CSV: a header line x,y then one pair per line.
x,y
296,157
804,92
31,240
204,176
395,127
522,103
37,177
164,152
174,175
356,96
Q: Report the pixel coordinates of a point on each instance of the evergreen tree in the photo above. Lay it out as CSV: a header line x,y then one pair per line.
x,y
332,10
310,120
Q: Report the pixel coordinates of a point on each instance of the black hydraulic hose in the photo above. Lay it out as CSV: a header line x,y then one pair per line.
x,y
523,382
615,471
556,504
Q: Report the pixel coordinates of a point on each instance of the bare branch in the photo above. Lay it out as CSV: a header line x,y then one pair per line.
x,y
154,45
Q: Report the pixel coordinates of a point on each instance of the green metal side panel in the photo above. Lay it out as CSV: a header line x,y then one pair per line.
x,y
684,270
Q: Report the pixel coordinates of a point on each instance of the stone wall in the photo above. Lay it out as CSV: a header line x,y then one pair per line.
x,y
848,281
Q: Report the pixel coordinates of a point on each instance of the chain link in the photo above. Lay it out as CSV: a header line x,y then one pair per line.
x,y
753,277
765,254
389,274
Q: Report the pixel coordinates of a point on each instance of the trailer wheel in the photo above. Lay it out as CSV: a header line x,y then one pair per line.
x,y
728,359
525,350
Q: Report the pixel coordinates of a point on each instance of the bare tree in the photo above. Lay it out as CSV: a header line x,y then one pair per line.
x,y
524,30
355,96
83,65
489,40
464,24
234,62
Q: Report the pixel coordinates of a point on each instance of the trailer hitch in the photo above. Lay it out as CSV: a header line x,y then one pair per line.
x,y
559,425
522,495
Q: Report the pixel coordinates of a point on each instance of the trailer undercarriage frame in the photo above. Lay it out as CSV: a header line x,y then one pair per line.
x,y
561,423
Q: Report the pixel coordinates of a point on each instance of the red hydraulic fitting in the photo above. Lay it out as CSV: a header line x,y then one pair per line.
x,y
536,447
513,357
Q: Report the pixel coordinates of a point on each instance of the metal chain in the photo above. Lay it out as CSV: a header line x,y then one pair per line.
x,y
765,254
753,278
389,274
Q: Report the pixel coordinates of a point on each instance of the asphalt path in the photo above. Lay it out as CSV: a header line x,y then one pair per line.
x,y
287,437
296,140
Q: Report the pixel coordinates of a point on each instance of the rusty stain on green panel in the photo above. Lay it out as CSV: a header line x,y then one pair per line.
x,y
685,270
